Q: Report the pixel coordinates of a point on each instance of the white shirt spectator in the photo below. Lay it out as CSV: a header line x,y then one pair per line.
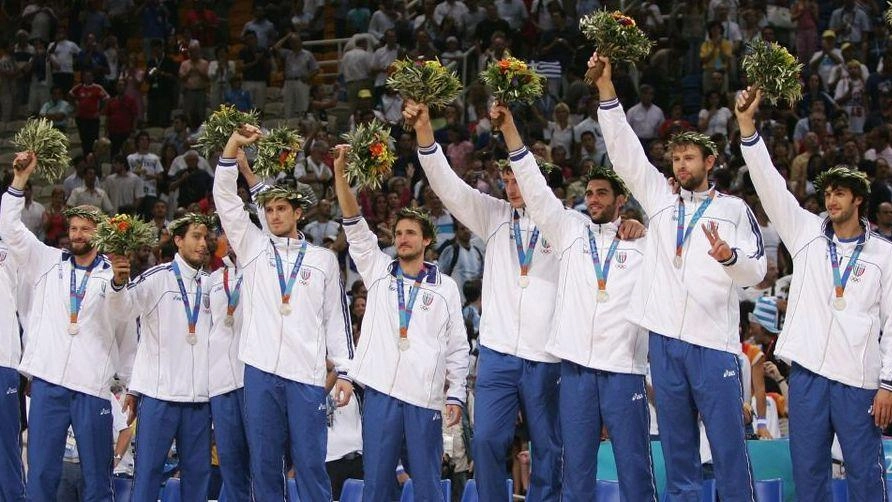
x,y
850,25
96,197
718,122
645,121
590,124
381,59
318,231
456,9
32,217
264,29
379,23
560,137
146,165
61,55
513,11
356,64
123,189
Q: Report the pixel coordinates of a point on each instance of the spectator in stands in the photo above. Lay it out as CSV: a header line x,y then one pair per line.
x,y
488,27
55,224
300,69
34,214
461,257
178,134
645,117
383,19
714,117
220,71
262,28
191,183
716,53
806,16
203,23
57,109
850,22
238,96
162,78
121,115
92,59
195,83
90,194
89,100
255,64
147,166
883,225
315,170
61,58
124,188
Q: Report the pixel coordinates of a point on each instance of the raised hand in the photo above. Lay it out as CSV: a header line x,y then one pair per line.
x,y
720,250
340,159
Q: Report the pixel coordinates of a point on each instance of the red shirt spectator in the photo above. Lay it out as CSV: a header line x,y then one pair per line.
x,y
88,97
202,22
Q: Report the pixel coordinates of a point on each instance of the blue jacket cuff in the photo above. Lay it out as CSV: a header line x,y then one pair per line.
x,y
750,140
610,104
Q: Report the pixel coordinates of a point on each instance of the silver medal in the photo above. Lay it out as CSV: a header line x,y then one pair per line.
x,y
229,321
677,261
73,328
191,339
839,303
404,344
524,281
285,309
603,296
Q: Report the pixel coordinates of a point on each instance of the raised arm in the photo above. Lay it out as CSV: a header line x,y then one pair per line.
x,y
645,181
472,207
363,243
26,249
546,210
788,217
246,239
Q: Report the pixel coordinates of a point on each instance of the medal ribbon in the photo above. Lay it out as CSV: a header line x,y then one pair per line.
x,y
77,292
192,310
601,273
683,234
839,283
406,310
525,259
232,296
286,288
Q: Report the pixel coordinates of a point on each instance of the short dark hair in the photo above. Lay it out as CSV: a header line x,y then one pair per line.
x,y
843,176
608,175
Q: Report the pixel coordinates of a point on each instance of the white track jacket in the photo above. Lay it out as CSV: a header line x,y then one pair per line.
x,y
698,302
843,345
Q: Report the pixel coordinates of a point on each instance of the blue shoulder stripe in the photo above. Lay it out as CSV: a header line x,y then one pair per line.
x,y
754,226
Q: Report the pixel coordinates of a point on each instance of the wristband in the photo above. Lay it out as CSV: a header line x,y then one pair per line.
x,y
761,423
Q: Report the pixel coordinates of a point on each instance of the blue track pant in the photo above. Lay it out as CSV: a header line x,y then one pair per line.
x,y
53,409
278,412
818,408
159,422
12,474
228,412
593,398
689,379
386,422
505,384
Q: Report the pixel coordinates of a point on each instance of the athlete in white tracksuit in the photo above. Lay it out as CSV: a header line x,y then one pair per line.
x,y
686,298
413,353
604,356
294,316
515,371
71,353
170,374
836,333
12,473
227,380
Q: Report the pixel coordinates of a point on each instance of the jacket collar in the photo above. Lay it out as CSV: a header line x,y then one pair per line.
x,y
431,271
287,241
185,269
692,196
609,227
827,229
